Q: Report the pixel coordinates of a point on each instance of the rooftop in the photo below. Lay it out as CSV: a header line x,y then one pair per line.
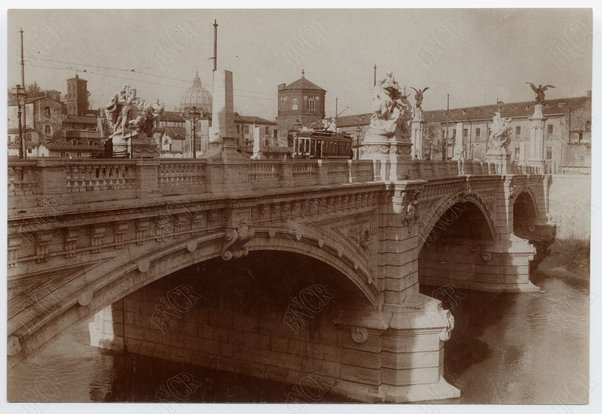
x,y
473,113
80,119
250,119
178,133
171,116
301,83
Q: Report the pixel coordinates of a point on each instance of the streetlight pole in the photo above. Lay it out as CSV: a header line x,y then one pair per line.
x,y
21,101
194,112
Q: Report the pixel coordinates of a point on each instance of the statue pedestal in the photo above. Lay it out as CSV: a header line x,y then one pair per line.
x,y
536,137
417,139
134,145
501,159
459,153
226,149
391,155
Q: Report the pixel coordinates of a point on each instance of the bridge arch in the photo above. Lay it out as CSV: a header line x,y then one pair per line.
x,y
111,281
457,249
524,209
430,218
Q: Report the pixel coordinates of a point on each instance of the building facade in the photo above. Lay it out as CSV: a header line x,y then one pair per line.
x,y
567,131
301,102
76,98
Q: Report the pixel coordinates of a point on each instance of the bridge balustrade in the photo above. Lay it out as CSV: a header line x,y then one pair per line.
x,y
32,182
264,174
102,175
22,179
177,174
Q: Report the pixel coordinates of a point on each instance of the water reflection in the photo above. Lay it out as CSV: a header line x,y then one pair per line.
x,y
505,348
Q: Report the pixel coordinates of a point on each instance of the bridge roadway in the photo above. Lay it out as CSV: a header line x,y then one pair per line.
x,y
88,237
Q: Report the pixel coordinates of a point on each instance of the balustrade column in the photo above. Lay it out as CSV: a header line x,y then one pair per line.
x,y
52,178
147,177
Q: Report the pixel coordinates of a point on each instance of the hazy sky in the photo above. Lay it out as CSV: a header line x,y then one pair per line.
x,y
477,56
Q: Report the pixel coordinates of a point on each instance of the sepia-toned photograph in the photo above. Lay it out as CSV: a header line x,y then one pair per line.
x,y
298,206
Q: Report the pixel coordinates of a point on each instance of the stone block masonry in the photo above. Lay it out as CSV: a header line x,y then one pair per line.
x,y
379,355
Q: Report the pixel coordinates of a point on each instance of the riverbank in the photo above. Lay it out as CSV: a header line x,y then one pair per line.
x,y
569,259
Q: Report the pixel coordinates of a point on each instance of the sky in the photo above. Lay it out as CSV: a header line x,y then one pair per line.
x,y
477,56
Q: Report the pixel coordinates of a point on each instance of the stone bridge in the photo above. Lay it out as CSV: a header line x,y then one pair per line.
x,y
99,239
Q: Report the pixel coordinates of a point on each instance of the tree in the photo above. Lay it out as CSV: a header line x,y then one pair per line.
x,y
34,90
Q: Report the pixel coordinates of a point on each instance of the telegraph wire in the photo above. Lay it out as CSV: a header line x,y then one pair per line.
x,y
240,95
254,93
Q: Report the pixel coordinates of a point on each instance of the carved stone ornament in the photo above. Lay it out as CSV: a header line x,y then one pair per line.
x,y
449,318
360,234
359,335
375,149
409,204
235,240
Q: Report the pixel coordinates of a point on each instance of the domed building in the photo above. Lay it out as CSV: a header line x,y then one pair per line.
x,y
196,96
200,99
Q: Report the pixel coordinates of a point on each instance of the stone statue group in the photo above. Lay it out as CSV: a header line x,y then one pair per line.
x,y
129,115
392,112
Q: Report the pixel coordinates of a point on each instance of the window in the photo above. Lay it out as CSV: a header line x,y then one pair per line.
x,y
47,111
465,133
295,104
478,133
588,126
311,103
517,131
267,130
516,153
580,137
548,153
550,129
246,129
238,129
47,130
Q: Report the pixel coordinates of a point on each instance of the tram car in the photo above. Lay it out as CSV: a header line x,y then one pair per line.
x,y
321,144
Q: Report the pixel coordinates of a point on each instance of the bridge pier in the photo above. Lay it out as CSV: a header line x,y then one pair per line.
x,y
473,265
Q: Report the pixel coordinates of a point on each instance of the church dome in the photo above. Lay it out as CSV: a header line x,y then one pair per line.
x,y
197,96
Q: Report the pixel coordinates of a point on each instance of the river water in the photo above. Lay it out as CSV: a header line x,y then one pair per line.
x,y
505,348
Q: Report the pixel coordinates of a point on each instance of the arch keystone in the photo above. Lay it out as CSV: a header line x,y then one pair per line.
x,y
143,265
85,298
191,246
13,345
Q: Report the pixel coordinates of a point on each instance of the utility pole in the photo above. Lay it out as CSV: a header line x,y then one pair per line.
x,y
215,45
23,80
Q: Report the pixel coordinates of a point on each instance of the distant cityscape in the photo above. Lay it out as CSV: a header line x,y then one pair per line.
x,y
60,124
